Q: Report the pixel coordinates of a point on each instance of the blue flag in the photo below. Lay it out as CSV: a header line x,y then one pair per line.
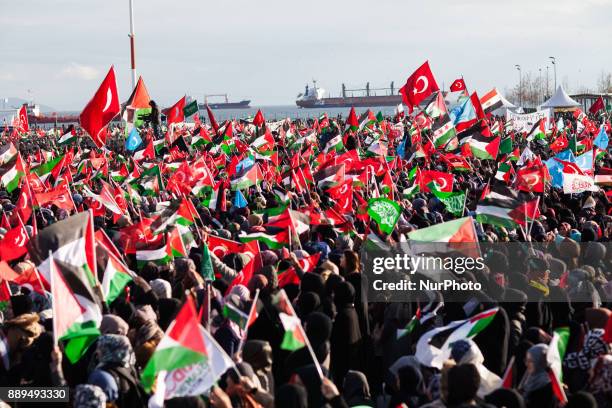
x,y
401,149
556,172
585,161
245,165
566,155
133,141
239,200
602,139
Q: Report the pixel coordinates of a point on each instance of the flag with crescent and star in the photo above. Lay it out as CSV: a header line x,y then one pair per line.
x,y
101,109
420,85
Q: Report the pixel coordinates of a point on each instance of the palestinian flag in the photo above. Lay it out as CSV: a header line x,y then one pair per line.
x,y
150,182
66,308
177,213
499,206
10,180
210,195
538,131
460,230
434,346
68,137
182,345
491,100
160,256
51,167
294,337
504,171
114,275
175,244
7,153
71,243
483,147
334,144
250,178
272,240
554,357
5,295
235,315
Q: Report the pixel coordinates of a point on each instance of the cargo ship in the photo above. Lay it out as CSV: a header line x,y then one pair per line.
x,y
314,97
244,104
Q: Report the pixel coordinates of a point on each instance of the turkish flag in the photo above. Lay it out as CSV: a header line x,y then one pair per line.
x,y
23,120
531,178
420,85
13,245
101,109
443,180
597,106
60,196
458,85
343,195
24,202
174,114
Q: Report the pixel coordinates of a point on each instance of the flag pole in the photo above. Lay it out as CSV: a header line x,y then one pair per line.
x,y
467,191
54,304
246,330
132,45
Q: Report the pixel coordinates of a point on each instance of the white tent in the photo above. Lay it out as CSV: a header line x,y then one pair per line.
x,y
560,100
506,106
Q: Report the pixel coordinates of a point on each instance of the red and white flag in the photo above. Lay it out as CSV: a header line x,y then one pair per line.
x,y
101,109
24,126
419,86
458,85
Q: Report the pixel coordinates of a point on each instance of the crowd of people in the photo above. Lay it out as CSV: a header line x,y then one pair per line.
x,y
365,355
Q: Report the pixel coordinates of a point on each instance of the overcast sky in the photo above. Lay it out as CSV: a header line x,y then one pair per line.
x,y
267,50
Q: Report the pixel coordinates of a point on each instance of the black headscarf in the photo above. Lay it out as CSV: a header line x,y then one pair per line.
x,y
291,396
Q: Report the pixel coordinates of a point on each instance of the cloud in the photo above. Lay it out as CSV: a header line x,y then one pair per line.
x,y
79,71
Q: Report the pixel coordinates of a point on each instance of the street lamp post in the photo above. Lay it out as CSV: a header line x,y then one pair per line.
x,y
518,67
553,60
547,83
540,88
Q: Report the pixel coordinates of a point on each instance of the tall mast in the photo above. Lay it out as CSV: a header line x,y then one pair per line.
x,y
132,44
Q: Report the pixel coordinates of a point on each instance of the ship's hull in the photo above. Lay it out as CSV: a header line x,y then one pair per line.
x,y
353,101
227,105
46,119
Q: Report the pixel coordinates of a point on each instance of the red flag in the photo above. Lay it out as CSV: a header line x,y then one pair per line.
x,y
458,85
343,195
443,180
211,119
24,202
259,119
352,120
23,119
101,109
531,178
175,114
419,86
60,196
597,106
13,245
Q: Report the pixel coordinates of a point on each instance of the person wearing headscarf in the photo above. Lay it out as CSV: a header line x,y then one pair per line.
x,y
410,388
356,390
582,399
258,353
308,377
465,351
537,389
89,396
318,329
291,396
600,382
112,324
115,370
579,362
346,350
505,398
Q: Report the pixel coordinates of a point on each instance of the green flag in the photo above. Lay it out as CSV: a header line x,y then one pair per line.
x,y
385,212
206,268
453,201
190,109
